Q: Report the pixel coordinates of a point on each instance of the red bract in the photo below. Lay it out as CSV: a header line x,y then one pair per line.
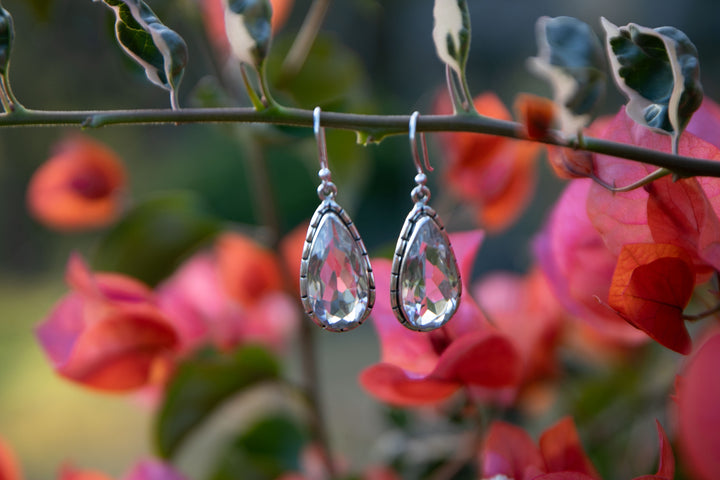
x,y
680,213
524,308
698,397
228,296
495,175
509,452
651,287
579,266
623,217
78,188
107,333
421,368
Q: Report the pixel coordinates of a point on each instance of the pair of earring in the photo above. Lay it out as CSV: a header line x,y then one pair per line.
x,y
337,286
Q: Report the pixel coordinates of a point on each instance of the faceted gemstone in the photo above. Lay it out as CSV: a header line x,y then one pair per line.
x,y
337,279
429,281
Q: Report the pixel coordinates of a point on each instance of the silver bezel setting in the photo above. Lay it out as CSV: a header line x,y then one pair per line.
x,y
329,206
419,210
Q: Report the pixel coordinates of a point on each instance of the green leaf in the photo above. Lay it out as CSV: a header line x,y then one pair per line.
x,y
154,237
572,60
159,50
247,23
658,70
202,384
452,33
268,449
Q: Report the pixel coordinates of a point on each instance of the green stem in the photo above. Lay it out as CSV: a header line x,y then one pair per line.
x,y
466,92
254,99
4,99
318,424
262,189
174,102
15,106
459,104
265,88
375,126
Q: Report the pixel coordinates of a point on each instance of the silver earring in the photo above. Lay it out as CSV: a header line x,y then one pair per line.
x,y
337,287
425,284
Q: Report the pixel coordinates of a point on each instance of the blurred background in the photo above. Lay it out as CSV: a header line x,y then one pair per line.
x,y
374,56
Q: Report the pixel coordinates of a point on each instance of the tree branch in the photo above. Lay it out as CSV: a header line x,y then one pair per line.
x,y
370,128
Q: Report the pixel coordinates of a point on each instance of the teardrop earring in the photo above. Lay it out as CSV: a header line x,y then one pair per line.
x,y
337,287
425,284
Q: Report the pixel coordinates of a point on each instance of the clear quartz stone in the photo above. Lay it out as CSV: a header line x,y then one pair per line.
x,y
337,278
428,279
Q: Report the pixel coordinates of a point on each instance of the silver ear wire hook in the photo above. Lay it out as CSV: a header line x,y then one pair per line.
x,y
412,128
326,188
420,193
320,137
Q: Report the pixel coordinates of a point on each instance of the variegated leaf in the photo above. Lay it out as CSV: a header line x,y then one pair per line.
x,y
247,23
658,70
571,58
155,47
452,33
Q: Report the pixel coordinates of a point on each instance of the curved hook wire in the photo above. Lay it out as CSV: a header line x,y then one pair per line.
x,y
326,189
320,137
412,128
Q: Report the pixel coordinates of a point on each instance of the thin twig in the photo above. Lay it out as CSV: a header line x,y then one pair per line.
x,y
651,177
305,38
702,315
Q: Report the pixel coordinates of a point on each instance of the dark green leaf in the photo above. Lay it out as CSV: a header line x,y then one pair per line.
x,y
7,35
452,33
659,71
202,384
159,50
155,237
248,30
571,58
265,451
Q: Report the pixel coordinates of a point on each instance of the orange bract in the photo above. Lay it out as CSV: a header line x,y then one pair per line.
x,y
537,115
78,188
247,270
494,174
